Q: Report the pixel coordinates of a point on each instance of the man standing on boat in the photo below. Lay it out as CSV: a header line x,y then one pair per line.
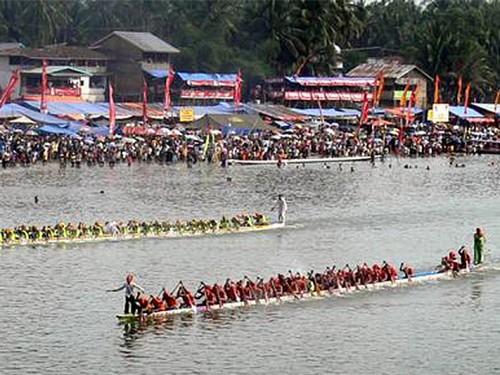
x,y
282,209
479,240
129,287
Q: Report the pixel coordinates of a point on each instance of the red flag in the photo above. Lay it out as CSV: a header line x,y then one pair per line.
x,y
237,90
364,112
112,111
437,81
144,102
402,101
467,97
9,88
459,90
167,101
43,98
411,104
380,88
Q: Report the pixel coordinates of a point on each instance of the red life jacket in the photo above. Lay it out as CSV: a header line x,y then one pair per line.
x,y
393,272
158,304
143,302
231,292
170,301
211,299
220,294
409,271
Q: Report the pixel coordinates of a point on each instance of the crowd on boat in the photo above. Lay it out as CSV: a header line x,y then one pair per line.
x,y
456,260
246,289
132,228
295,285
26,149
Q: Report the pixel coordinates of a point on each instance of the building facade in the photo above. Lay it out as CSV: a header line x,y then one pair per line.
x,y
133,57
396,76
307,92
73,73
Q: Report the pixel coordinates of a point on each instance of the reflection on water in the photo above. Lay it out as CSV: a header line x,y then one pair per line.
x,y
57,319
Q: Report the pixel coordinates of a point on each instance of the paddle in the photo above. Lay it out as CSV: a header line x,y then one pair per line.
x,y
206,297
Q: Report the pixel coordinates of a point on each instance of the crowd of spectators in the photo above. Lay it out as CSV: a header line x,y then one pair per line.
x,y
191,147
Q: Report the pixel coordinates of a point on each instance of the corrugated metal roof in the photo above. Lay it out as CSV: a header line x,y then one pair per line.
x,y
145,41
55,53
393,69
10,45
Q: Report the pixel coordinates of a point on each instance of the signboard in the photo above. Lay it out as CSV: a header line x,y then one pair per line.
x,y
398,94
186,114
441,113
429,115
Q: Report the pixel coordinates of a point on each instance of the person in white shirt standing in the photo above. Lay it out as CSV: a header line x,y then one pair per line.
x,y
282,209
129,286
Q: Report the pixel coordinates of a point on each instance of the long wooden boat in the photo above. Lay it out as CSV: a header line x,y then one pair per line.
x,y
160,315
301,161
172,234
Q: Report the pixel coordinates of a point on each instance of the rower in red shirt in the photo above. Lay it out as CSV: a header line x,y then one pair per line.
x,y
249,289
261,289
367,273
231,291
220,295
377,273
453,261
157,303
277,289
170,300
349,277
391,272
187,297
143,302
241,291
465,258
408,270
206,292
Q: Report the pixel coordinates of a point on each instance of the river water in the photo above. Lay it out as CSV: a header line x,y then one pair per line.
x,y
55,317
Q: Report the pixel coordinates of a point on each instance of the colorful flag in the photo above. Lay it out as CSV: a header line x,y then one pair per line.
x,y
437,81
43,98
237,90
167,101
402,101
112,111
14,78
364,112
411,104
381,82
467,97
144,102
459,90
413,97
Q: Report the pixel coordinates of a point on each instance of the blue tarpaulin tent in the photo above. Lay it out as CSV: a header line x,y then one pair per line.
x,y
80,108
460,112
16,110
